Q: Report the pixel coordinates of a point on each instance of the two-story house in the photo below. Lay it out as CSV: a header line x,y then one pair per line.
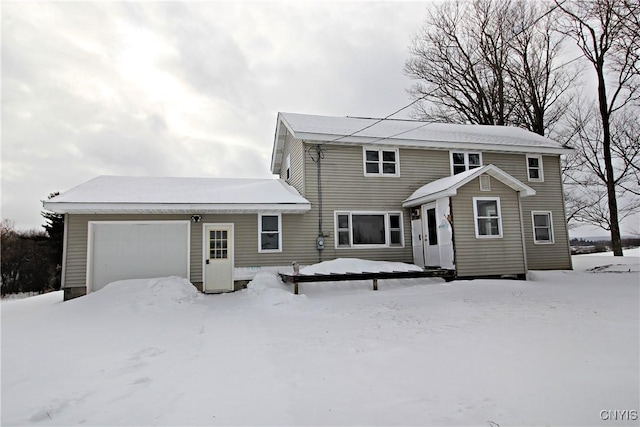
x,y
480,200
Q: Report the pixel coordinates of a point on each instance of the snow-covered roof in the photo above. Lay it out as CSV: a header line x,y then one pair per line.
x,y
126,194
447,187
409,134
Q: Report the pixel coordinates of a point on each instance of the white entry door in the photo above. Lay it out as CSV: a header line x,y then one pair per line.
x,y
432,249
416,237
218,258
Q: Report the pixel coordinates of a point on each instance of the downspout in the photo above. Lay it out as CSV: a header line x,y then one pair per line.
x,y
524,244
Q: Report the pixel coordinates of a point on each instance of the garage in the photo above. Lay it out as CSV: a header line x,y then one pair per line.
x,y
119,250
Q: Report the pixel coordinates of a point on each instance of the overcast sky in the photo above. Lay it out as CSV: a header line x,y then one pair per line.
x,y
182,89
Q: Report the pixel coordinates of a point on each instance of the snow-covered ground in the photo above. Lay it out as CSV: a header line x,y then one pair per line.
x,y
554,350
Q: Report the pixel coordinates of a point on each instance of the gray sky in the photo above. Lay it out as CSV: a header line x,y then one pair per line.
x,y
182,89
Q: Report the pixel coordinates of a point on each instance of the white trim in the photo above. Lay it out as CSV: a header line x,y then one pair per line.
x,y
266,251
540,167
90,231
487,183
176,208
533,227
387,228
475,217
204,248
381,162
457,181
466,159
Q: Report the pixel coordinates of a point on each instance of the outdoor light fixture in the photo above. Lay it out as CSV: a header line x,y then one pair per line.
x,y
196,218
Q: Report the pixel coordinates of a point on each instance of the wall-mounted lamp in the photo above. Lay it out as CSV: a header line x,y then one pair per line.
x,y
196,218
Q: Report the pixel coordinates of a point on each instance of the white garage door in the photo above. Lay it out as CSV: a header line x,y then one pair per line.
x,y
136,250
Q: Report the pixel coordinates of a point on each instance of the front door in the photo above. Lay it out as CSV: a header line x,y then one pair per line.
x,y
432,249
416,237
218,258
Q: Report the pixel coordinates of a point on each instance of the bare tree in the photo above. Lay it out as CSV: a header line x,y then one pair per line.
x,y
606,32
490,62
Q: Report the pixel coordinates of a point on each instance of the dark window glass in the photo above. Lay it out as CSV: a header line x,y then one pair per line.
x,y
432,227
474,161
343,221
389,156
343,238
373,168
458,169
269,241
389,168
269,223
458,158
372,156
368,229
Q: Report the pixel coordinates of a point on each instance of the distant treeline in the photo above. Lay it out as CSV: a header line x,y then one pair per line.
x,y
626,242
31,261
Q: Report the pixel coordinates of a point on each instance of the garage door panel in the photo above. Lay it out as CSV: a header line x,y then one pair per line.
x,y
138,250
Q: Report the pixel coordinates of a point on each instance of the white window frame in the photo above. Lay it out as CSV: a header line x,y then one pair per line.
x,y
387,229
533,227
466,159
540,168
380,161
287,163
475,217
260,250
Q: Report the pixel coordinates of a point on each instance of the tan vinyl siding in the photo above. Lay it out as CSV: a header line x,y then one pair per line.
x,y
345,188
487,256
293,147
548,197
245,238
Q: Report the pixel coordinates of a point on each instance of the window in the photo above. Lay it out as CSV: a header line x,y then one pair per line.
x,y
432,227
269,233
542,227
463,161
368,229
486,212
288,167
381,162
534,168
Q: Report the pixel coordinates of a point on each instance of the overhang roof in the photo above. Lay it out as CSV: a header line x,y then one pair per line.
x,y
407,134
448,187
125,194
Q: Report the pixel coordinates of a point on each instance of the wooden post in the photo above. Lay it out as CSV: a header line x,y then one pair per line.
x,y
296,271
375,284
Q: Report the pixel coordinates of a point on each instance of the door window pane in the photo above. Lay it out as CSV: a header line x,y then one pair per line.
x,y
432,228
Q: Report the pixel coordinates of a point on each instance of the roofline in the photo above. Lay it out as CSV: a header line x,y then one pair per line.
x,y
435,144
452,190
174,208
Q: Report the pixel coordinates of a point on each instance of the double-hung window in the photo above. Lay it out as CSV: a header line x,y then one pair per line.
x,y
269,233
368,229
542,227
534,168
462,161
487,217
381,162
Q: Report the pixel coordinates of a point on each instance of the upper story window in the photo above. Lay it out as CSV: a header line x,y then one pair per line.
x,y
534,168
463,161
381,162
269,233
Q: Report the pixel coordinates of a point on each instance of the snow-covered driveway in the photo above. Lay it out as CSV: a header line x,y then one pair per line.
x,y
554,350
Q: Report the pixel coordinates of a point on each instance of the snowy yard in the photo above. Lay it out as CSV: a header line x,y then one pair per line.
x,y
554,350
